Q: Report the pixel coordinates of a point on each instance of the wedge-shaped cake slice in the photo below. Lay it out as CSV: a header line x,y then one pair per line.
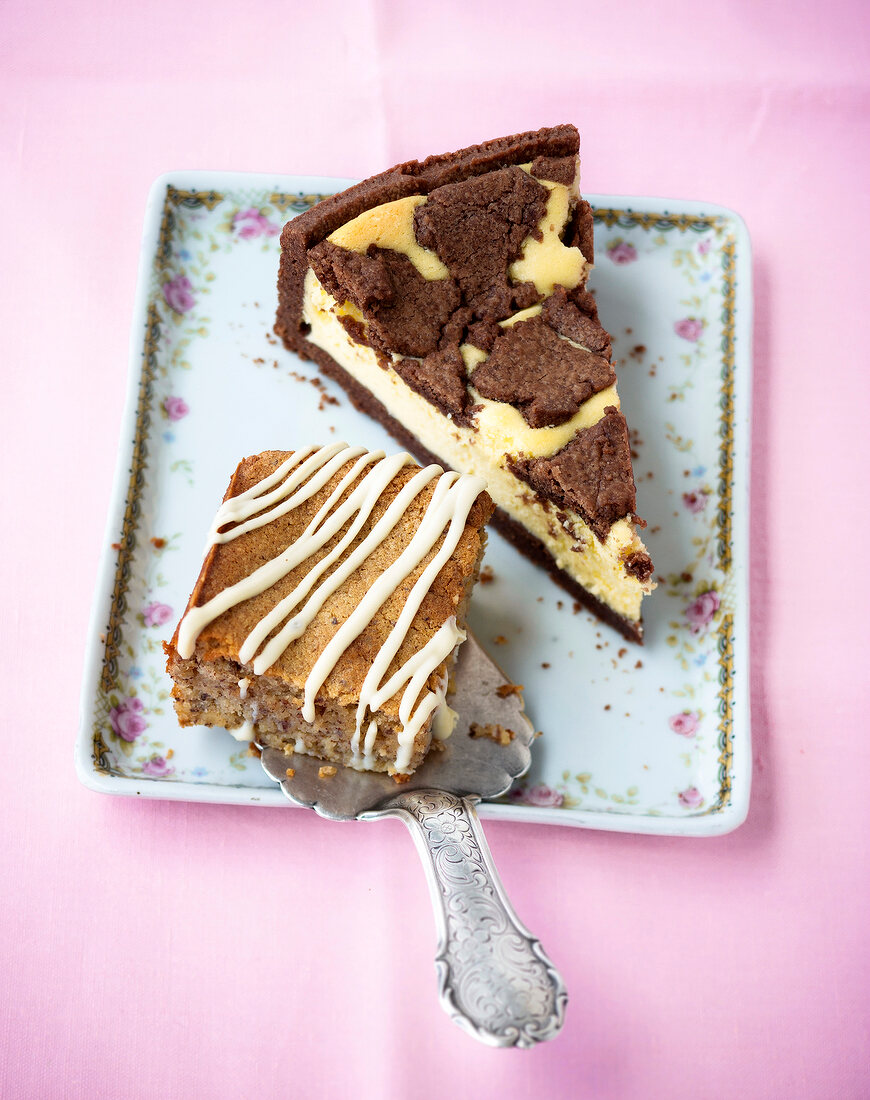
x,y
448,298
330,605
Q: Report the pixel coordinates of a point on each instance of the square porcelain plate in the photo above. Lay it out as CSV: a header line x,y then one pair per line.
x,y
648,739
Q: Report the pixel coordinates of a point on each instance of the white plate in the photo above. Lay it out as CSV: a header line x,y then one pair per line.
x,y
653,739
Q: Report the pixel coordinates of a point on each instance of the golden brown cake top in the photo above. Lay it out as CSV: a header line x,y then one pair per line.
x,y
331,563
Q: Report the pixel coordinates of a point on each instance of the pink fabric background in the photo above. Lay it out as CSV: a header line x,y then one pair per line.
x,y
152,949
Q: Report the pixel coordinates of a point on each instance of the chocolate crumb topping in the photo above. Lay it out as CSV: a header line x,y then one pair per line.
x,y
440,378
483,334
477,227
454,331
639,565
355,329
555,169
569,319
592,474
405,312
352,276
547,378
580,231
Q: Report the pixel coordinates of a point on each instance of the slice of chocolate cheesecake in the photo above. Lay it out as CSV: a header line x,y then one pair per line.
x,y
448,297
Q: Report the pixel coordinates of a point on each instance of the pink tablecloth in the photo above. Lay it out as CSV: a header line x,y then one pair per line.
x,y
155,949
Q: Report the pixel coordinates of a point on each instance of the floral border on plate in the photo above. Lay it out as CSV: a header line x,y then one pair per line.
x,y
108,700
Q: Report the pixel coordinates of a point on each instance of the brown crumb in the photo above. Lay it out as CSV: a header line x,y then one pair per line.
x,y
607,706
638,664
559,604
259,360
545,664
628,332
500,639
116,546
399,778
577,606
486,575
253,750
158,543
622,652
501,735
504,690
326,771
291,772
540,599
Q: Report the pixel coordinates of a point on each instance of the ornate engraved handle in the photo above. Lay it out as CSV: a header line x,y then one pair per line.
x,y
494,978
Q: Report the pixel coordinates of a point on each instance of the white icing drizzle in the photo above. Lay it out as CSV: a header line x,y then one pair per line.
x,y
297,480
244,732
444,722
244,684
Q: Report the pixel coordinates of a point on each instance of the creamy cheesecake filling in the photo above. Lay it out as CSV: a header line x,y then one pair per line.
x,y
597,566
550,262
391,225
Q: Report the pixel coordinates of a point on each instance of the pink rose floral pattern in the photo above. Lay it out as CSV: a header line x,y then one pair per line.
x,y
700,612
178,294
156,614
176,408
691,798
539,795
696,502
685,724
157,767
251,223
621,252
127,719
689,328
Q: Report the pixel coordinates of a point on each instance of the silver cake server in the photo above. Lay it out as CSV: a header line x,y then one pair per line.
x,y
494,978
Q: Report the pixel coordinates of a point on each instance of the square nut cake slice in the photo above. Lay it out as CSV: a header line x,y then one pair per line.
x,y
448,297
330,605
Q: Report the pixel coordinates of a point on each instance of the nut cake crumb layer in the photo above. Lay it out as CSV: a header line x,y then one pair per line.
x,y
207,689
